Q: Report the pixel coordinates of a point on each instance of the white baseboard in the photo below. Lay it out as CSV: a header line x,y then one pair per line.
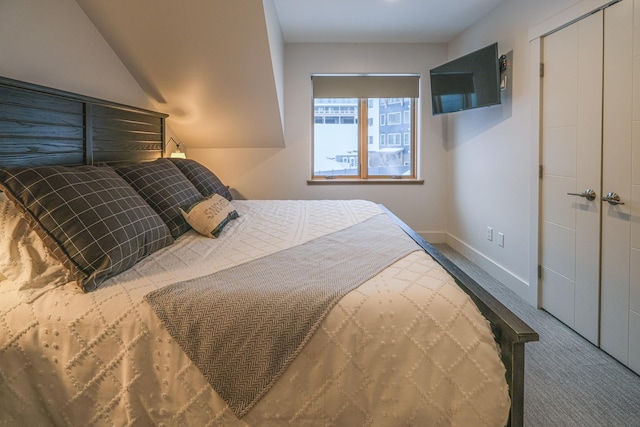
x,y
495,270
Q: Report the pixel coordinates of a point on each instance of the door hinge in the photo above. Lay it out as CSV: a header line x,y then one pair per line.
x,y
539,272
540,171
541,70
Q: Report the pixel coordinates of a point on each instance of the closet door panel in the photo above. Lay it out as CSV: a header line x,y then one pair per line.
x,y
634,312
634,293
589,175
571,156
618,98
563,111
635,147
635,226
560,257
564,140
634,341
634,284
560,301
559,209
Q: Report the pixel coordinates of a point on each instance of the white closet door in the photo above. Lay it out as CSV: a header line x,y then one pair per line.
x,y
571,159
634,202
620,322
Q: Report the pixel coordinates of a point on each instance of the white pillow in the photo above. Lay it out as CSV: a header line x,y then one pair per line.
x,y
209,216
24,260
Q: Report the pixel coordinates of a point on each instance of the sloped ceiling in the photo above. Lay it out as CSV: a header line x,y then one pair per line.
x,y
206,63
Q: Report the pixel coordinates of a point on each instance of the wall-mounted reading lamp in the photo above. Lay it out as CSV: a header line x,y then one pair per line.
x,y
178,153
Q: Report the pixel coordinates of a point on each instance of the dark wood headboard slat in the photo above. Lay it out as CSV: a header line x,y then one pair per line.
x,y
122,157
13,95
44,126
18,113
42,131
115,134
22,146
127,145
38,159
126,115
108,123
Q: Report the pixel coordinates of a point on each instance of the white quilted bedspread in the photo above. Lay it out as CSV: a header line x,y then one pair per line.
x,y
408,347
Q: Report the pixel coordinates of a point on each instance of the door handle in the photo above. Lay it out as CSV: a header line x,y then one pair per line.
x,y
613,199
588,194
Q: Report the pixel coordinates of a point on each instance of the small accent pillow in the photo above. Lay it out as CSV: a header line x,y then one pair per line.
x,y
165,188
88,217
204,180
25,260
209,216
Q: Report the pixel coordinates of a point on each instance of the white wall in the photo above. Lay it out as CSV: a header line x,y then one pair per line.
x,y
53,43
493,154
283,173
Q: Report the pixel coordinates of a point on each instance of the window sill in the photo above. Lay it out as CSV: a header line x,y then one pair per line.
x,y
370,181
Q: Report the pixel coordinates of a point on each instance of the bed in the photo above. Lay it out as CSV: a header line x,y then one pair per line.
x,y
183,328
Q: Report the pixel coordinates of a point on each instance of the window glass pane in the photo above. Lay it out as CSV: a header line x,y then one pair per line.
x,y
390,157
387,135
335,138
394,118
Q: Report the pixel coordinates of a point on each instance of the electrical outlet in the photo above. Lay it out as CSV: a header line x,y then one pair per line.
x,y
489,233
501,239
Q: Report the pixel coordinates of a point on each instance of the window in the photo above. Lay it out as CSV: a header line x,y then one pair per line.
x,y
394,118
406,138
373,135
394,139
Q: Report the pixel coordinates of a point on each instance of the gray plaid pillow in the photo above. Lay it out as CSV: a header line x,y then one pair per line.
x,y
204,180
88,217
164,188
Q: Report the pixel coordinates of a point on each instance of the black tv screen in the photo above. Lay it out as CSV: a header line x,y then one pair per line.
x,y
471,81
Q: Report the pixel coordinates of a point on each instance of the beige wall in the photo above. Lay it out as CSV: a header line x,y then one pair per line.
x,y
53,43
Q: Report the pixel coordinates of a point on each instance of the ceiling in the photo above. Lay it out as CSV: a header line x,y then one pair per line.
x,y
378,21
216,66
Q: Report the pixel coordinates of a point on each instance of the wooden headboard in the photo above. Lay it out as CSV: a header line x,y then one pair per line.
x,y
44,126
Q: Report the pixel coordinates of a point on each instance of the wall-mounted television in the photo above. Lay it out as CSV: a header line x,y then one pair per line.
x,y
471,81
